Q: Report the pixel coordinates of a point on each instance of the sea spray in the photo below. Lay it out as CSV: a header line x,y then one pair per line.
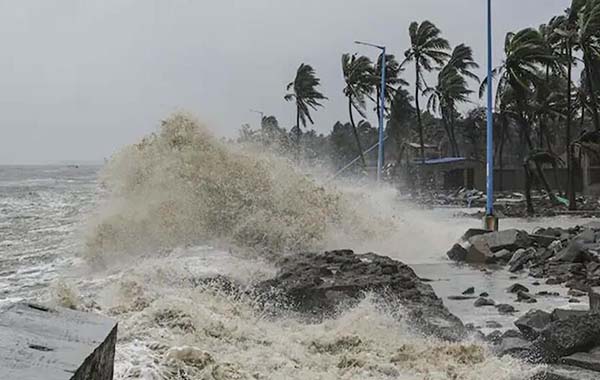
x,y
181,186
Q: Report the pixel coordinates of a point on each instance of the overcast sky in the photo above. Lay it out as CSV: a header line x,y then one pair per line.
x,y
79,79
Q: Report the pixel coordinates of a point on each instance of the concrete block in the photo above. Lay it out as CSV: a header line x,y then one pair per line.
x,y
55,344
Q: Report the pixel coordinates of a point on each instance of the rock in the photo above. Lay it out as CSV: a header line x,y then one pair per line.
x,y
457,253
493,325
505,309
481,248
545,293
484,294
520,258
525,297
583,360
481,301
470,290
577,250
543,240
513,334
536,283
304,284
495,337
532,323
566,337
562,314
55,344
562,372
574,300
503,255
515,288
461,298
594,296
513,346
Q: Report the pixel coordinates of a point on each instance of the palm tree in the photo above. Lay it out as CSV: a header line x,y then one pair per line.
x,y
566,31
588,33
305,95
358,74
427,48
525,52
452,89
393,70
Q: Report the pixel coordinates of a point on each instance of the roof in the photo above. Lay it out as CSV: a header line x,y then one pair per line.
x,y
418,146
438,161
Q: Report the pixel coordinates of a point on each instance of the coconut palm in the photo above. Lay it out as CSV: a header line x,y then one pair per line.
x,y
588,35
358,74
451,89
427,49
525,52
393,81
305,95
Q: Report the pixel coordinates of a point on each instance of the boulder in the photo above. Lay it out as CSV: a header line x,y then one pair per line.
x,y
513,346
566,337
457,253
525,297
563,314
577,249
470,290
481,248
543,240
317,284
503,256
563,372
532,323
461,298
481,301
583,360
505,309
515,288
520,258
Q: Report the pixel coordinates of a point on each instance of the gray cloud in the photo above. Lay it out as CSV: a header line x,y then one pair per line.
x,y
79,79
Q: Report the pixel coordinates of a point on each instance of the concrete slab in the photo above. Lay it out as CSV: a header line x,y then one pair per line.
x,y
55,344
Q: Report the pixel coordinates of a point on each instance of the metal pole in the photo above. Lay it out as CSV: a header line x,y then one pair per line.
x,y
381,116
490,221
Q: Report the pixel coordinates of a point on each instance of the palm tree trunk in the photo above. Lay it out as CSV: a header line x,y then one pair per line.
x,y
530,210
360,149
538,167
570,169
501,152
298,132
590,83
452,129
418,109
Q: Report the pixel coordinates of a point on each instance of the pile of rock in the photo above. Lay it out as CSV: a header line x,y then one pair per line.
x,y
562,256
568,340
318,284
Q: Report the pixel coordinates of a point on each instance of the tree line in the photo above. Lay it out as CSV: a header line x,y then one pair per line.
x,y
546,99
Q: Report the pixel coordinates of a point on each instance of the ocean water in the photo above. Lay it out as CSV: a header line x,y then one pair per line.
x,y
132,239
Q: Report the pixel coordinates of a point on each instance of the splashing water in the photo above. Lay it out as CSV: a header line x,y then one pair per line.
x,y
166,199
182,187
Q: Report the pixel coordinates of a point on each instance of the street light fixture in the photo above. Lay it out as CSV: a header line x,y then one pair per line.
x,y
381,101
490,221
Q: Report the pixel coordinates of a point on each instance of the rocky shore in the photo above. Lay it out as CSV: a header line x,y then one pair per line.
x,y
567,340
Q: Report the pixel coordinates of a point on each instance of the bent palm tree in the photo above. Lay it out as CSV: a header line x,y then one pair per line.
x,y
427,48
358,73
305,95
452,89
519,73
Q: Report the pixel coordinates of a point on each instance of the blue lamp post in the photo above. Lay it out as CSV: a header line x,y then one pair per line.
x,y
490,221
381,101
